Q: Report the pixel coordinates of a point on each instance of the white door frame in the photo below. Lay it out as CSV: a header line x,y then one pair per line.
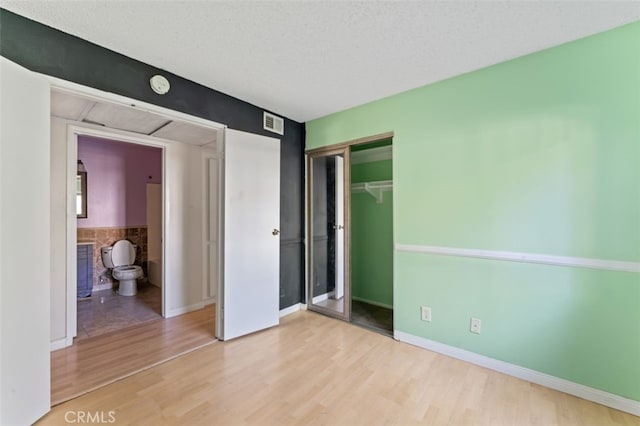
x,y
76,128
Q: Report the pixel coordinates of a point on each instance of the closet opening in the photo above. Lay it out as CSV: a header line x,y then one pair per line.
x,y
372,236
350,232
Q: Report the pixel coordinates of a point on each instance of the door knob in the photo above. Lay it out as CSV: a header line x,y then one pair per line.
x,y
340,227
275,231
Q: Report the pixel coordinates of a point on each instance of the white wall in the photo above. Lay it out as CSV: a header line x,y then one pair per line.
x,y
24,246
183,226
184,230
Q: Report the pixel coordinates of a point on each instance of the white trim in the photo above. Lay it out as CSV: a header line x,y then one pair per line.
x,y
71,307
220,319
371,155
59,344
89,129
580,262
290,310
186,309
591,394
371,302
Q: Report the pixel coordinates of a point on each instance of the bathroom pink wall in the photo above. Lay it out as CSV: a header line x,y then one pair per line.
x,y
117,177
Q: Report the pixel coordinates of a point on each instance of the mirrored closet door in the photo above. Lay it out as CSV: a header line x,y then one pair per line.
x,y
329,287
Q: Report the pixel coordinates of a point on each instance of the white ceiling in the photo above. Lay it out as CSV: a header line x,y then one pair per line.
x,y
306,59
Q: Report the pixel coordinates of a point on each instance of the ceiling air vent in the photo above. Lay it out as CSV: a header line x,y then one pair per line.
x,y
273,123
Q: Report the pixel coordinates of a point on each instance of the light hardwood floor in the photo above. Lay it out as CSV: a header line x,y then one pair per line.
x,y
95,361
314,370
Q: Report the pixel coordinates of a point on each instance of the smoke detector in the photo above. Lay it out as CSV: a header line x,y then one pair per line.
x,y
159,84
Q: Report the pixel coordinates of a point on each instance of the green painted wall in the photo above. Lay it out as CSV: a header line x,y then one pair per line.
x,y
540,154
372,237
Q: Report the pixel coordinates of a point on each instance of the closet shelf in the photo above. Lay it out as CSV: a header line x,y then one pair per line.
x,y
375,189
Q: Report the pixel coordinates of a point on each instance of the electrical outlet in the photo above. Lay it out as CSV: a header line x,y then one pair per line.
x,y
475,326
425,313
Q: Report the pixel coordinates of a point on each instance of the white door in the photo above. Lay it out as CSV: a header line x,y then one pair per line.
x,y
339,221
250,277
24,245
210,249
154,233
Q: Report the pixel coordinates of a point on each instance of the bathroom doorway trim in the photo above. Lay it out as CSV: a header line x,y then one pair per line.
x,y
74,131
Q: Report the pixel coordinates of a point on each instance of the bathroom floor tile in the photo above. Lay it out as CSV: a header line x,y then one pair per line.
x,y
107,311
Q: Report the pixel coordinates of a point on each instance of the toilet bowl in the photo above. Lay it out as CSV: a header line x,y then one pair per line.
x,y
120,258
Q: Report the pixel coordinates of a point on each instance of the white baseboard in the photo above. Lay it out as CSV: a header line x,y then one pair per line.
x,y
371,302
185,309
59,344
585,392
323,297
290,310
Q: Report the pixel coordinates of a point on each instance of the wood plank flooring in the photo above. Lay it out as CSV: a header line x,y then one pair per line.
x,y
315,370
95,361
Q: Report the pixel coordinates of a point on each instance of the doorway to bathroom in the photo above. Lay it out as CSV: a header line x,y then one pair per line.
x,y
122,201
128,148
152,181
122,149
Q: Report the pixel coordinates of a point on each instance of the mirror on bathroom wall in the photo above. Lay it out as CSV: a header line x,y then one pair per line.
x,y
81,195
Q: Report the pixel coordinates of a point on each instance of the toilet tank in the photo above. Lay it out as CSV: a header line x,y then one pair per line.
x,y
105,252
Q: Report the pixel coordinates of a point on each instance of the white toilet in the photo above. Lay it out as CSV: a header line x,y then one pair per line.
x,y
120,258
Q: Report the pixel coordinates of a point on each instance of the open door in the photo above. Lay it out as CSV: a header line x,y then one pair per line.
x,y
24,255
248,298
339,228
328,290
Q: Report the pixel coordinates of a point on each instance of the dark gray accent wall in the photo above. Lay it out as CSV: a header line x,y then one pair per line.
x,y
48,51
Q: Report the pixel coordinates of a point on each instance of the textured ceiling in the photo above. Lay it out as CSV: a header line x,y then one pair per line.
x,y
305,60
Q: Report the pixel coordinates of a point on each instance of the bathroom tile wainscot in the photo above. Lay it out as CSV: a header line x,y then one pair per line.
x,y
102,237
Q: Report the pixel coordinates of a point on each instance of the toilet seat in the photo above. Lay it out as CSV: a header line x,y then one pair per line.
x,y
126,268
130,272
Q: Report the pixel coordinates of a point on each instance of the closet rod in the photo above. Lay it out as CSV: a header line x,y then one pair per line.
x,y
375,189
